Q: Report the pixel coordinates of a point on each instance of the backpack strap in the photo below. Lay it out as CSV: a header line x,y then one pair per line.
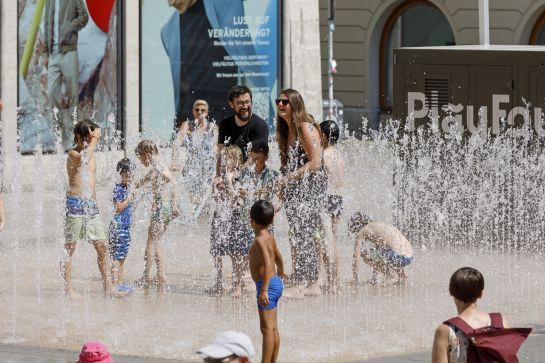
x,y
496,320
460,324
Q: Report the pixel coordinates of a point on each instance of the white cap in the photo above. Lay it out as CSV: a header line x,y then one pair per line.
x,y
229,343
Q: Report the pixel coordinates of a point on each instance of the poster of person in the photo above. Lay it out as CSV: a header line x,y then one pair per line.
x,y
68,70
197,50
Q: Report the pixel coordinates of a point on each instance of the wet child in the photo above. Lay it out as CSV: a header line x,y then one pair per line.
x,y
334,167
225,236
163,209
120,226
267,270
82,220
390,251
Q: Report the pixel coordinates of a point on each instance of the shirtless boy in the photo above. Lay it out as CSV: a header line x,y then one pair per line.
x,y
390,253
82,215
267,270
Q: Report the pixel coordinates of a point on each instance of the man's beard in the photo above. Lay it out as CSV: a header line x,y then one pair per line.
x,y
244,117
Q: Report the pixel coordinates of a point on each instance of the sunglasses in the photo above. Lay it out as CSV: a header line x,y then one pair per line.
x,y
283,101
200,110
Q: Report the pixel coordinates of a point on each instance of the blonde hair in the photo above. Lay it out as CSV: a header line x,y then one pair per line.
x,y
234,153
200,103
146,147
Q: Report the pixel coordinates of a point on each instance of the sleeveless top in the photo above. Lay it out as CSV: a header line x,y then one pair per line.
x,y
313,186
457,344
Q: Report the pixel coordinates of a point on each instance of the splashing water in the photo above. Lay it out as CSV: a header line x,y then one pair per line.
x,y
475,201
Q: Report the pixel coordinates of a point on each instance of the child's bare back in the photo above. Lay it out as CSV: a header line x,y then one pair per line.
x,y
264,241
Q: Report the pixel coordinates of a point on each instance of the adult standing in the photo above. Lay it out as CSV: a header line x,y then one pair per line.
x,y
239,130
243,126
197,137
305,183
62,21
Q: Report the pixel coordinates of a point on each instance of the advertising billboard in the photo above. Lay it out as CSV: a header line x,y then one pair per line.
x,y
68,70
199,49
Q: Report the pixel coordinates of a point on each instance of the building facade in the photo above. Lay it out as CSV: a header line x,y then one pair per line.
x,y
367,31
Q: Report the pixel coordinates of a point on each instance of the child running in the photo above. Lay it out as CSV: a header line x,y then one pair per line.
x,y
334,166
390,253
267,270
120,227
163,209
82,215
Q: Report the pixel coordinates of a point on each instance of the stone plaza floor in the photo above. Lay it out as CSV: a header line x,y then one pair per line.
x,y
533,351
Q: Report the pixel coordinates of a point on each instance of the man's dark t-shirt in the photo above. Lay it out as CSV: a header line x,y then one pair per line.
x,y
231,134
198,75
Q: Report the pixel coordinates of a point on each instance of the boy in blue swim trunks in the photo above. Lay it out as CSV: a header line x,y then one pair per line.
x,y
120,227
390,251
267,270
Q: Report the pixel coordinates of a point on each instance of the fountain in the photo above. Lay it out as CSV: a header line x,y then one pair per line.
x,y
449,196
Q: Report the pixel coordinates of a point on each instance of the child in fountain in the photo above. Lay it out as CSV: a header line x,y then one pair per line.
x,y
120,227
267,270
390,253
225,236
163,209
82,220
334,166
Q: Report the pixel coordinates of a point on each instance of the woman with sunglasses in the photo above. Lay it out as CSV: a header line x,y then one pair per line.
x,y
198,138
305,182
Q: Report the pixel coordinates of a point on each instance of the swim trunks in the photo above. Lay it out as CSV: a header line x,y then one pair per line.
x,y
82,221
276,287
162,212
387,256
334,205
119,240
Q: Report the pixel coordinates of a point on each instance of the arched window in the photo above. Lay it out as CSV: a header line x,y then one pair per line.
x,y
537,37
414,23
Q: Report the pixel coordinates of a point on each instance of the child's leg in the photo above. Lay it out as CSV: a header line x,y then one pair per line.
x,y
237,262
154,234
356,260
66,267
115,272
159,229
269,329
103,261
120,266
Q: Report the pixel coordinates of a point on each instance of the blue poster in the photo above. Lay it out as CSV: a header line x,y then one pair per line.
x,y
197,50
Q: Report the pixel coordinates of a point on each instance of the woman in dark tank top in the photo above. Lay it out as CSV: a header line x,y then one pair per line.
x,y
305,185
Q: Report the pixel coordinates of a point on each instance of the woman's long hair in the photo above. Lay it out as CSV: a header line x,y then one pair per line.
x,y
299,115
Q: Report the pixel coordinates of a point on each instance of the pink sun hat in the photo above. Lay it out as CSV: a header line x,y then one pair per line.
x,y
95,352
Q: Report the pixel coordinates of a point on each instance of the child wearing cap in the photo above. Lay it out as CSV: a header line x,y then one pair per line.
x,y
230,346
120,227
267,270
96,352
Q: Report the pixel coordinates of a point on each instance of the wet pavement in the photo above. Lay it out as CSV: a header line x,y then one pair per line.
x,y
533,351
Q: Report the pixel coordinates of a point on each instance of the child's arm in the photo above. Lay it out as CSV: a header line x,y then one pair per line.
x,y
263,299
144,180
356,259
279,260
92,147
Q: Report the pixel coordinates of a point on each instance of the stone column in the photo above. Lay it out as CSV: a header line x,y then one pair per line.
x,y
301,52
